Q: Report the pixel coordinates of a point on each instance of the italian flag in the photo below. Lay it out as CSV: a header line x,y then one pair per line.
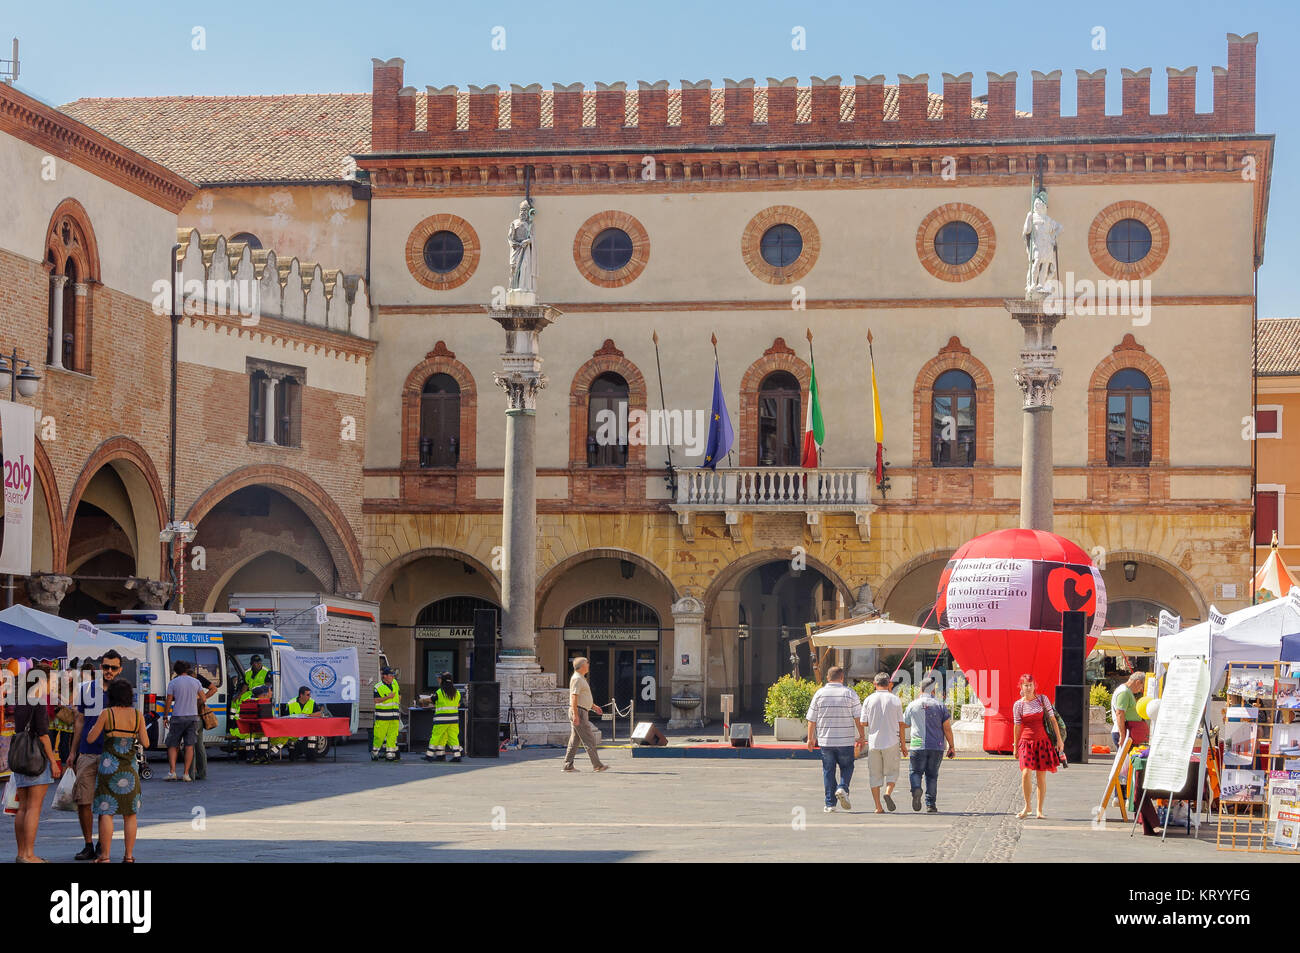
x,y
814,431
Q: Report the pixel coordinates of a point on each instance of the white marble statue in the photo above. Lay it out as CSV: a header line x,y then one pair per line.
x,y
1040,234
523,250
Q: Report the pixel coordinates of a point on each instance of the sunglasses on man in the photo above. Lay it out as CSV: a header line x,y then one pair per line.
x,y
110,668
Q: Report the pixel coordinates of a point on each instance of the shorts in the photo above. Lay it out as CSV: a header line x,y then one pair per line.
x,y
882,765
34,780
83,790
183,730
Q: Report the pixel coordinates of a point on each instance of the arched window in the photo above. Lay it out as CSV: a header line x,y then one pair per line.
x,y
778,421
248,238
1128,419
456,611
606,421
612,611
440,422
68,346
952,428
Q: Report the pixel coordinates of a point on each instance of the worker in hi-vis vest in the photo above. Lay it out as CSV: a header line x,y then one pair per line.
x,y
304,704
255,677
388,721
446,722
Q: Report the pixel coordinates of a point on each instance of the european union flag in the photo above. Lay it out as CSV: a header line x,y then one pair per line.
x,y
721,436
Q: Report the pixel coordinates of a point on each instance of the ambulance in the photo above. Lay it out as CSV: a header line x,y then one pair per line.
x,y
220,647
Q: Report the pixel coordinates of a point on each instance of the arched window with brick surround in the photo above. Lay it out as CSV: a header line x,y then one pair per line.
x,y
440,422
72,258
774,388
607,442
1128,409
439,413
952,419
601,384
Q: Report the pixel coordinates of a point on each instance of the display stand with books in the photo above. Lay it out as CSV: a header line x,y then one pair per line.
x,y
1259,802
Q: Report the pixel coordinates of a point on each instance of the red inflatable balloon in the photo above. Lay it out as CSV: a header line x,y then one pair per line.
x,y
1000,604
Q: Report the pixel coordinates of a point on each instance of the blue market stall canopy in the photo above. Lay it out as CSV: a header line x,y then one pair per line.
x,y
21,643
1291,648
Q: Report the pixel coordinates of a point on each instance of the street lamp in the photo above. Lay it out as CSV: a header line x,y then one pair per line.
x,y
25,383
179,532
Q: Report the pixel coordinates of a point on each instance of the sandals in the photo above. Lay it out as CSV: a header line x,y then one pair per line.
x,y
1022,814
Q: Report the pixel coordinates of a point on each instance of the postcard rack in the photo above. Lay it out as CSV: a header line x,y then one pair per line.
x,y
1259,741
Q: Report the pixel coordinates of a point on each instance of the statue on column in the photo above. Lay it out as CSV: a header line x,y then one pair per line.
x,y
1040,234
523,251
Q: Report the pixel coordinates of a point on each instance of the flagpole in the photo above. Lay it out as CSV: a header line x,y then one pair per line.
x,y
663,404
718,370
812,362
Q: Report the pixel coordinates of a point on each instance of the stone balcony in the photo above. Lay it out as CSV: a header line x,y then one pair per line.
x,y
738,490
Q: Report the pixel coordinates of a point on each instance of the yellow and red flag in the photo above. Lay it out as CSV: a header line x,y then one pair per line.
x,y
875,413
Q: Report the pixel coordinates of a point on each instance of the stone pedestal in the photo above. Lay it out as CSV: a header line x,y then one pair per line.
x,y
1037,376
46,591
541,707
688,669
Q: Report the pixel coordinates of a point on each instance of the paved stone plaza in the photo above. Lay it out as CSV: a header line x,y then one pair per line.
x,y
522,808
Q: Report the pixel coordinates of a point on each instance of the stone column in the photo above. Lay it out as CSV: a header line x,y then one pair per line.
x,y
688,664
80,290
269,415
521,378
46,591
56,306
1037,376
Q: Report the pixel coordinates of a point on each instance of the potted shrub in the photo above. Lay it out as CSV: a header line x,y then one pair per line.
x,y
1099,705
786,708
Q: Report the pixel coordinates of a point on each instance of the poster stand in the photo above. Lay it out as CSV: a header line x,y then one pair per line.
x,y
1244,821
1112,781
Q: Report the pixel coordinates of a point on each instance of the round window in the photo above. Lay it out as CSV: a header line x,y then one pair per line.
x,y
612,249
443,252
1128,241
781,246
956,243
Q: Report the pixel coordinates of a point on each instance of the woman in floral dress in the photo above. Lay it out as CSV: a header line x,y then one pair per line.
x,y
117,785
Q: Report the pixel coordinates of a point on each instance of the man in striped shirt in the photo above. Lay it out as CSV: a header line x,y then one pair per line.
x,y
833,726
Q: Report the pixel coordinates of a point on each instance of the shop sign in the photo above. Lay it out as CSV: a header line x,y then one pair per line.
x,y
444,632
612,634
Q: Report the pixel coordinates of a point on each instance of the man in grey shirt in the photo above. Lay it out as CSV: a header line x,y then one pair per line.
x,y
182,722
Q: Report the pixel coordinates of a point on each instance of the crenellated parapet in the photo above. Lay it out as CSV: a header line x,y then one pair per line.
x,y
218,276
784,112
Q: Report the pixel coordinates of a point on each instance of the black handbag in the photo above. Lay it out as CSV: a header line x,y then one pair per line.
x,y
26,755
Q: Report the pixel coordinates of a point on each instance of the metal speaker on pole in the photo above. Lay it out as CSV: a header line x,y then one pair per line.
x,y
485,645
484,721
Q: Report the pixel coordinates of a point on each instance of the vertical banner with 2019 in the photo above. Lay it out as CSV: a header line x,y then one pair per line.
x,y
17,447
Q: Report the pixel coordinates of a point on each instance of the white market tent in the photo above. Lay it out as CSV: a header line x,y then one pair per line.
x,y
875,633
81,641
1253,634
1132,640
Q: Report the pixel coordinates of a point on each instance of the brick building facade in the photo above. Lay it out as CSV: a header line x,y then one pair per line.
x,y
664,211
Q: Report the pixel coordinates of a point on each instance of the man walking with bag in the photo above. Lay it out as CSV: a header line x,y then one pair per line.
x,y
834,726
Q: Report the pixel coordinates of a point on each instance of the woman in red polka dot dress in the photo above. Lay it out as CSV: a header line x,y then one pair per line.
x,y
1033,741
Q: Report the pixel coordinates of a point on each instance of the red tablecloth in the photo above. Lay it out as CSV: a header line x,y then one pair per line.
x,y
297,727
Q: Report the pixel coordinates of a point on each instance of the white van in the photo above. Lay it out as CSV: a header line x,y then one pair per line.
x,y
219,646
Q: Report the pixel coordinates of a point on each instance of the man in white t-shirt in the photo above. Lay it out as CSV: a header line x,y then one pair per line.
x,y
882,716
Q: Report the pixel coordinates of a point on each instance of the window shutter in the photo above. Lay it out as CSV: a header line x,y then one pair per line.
x,y
1265,516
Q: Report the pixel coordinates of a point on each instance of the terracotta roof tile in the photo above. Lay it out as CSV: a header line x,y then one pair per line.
x,y
1279,347
237,138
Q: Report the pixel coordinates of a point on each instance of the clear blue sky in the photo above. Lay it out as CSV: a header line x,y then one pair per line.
x,y
92,48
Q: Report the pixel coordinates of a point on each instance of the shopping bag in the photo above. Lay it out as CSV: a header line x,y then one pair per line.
x,y
64,799
10,797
